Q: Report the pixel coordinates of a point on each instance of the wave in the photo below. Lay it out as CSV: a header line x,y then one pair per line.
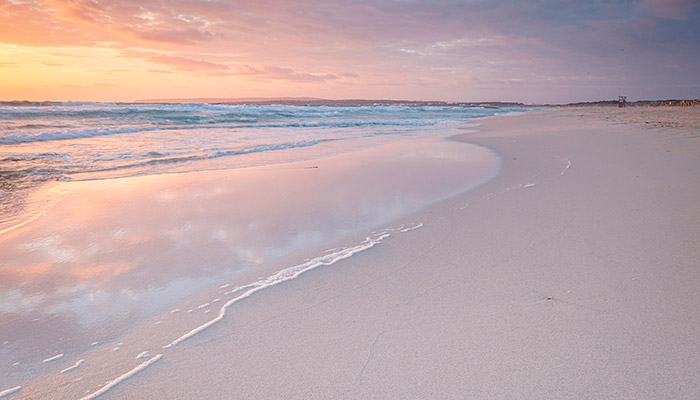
x,y
30,136
51,140
36,121
33,126
45,136
162,159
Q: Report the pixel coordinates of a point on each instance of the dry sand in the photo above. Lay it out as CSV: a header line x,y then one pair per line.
x,y
684,120
574,274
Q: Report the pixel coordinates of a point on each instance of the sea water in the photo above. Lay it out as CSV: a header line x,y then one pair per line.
x,y
42,142
60,140
81,277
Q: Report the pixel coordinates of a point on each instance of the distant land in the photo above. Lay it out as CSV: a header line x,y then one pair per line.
x,y
640,103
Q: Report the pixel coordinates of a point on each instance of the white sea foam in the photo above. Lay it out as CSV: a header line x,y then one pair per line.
x,y
568,165
122,378
143,354
529,185
74,366
8,392
283,276
419,225
54,358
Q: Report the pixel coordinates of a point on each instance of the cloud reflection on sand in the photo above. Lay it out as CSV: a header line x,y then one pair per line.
x,y
114,252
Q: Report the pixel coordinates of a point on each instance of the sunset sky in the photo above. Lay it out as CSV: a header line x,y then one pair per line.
x,y
472,50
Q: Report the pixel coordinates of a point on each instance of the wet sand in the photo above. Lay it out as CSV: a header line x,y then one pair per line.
x,y
108,261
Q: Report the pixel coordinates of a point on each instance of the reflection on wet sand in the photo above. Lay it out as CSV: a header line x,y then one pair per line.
x,y
111,253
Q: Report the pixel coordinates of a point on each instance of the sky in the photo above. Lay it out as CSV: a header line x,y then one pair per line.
x,y
543,51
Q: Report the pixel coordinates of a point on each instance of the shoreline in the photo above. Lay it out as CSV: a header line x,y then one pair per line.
x,y
225,218
536,283
28,201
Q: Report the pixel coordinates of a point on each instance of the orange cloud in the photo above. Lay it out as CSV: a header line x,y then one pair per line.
x,y
178,62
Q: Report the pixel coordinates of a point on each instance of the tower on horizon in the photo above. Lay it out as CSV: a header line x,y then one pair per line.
x,y
621,101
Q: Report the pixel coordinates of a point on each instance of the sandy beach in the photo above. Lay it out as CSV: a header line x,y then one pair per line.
x,y
574,273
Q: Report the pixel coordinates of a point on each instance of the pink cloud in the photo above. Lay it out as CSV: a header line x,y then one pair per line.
x,y
280,73
125,21
186,36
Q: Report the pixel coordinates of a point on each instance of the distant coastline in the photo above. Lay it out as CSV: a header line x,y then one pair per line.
x,y
640,103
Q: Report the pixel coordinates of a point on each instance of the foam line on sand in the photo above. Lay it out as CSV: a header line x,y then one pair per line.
x,y
283,276
74,366
8,392
54,358
404,230
104,389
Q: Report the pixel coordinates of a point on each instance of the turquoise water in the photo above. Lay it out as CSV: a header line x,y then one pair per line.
x,y
61,141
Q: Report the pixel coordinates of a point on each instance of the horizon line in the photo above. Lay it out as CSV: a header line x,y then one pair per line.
x,y
287,100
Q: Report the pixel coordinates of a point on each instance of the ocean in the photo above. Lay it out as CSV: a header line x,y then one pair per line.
x,y
69,141
42,142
